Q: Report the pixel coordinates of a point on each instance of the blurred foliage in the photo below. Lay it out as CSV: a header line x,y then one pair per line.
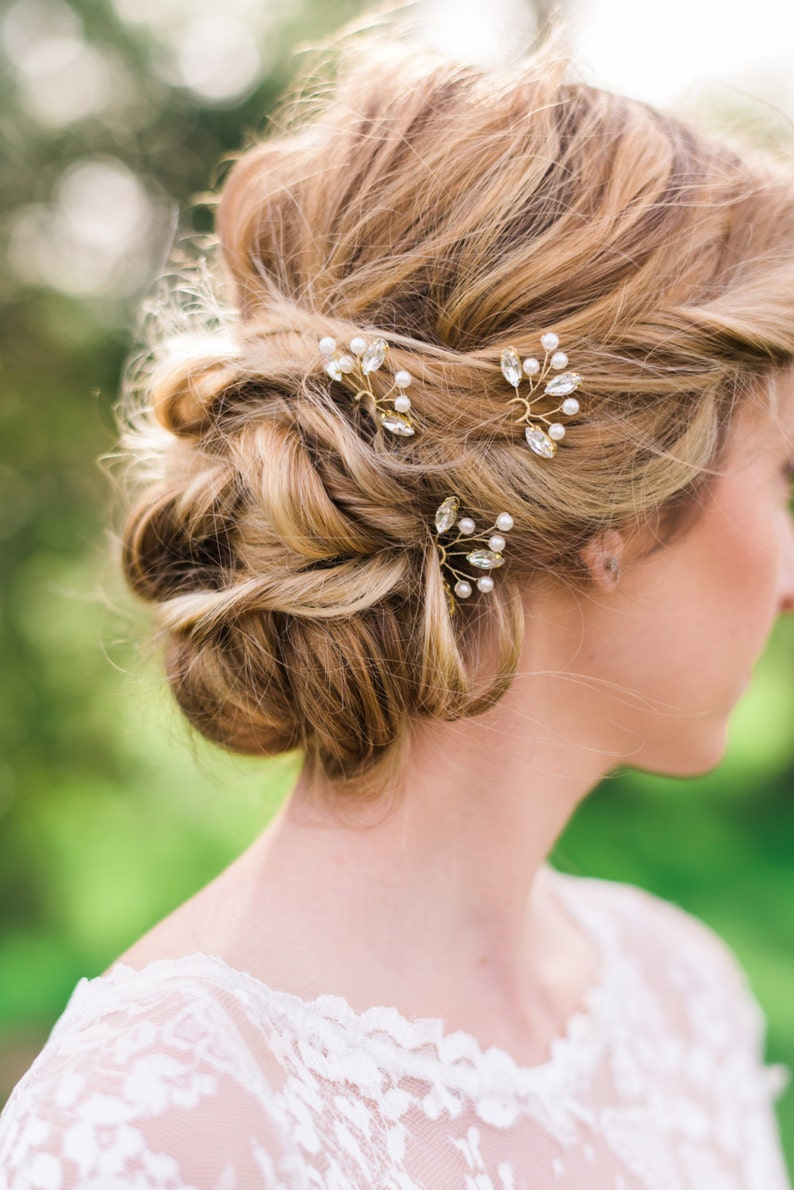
x,y
110,814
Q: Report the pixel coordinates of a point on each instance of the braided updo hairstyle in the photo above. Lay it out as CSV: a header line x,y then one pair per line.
x,y
285,541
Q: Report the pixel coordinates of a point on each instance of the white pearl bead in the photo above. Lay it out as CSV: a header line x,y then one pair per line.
x,y
327,345
531,366
556,432
549,341
346,364
485,583
358,345
462,589
570,406
496,543
504,522
466,525
402,378
402,403
559,360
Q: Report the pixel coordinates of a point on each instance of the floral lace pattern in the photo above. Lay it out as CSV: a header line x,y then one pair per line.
x,y
189,1075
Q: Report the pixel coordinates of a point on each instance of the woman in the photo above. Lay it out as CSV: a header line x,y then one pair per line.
x,y
481,491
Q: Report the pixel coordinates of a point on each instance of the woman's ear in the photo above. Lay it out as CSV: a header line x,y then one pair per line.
x,y
603,556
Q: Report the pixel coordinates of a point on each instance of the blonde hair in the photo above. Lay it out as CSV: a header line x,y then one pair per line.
x,y
284,540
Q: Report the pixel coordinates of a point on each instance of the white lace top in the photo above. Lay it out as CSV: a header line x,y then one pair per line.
x,y
190,1074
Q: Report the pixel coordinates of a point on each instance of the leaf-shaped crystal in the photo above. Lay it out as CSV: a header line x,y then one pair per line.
x,y
563,385
446,513
511,366
540,442
374,356
333,369
485,559
397,423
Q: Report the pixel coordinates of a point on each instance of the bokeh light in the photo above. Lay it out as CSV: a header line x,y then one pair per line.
x,y
95,239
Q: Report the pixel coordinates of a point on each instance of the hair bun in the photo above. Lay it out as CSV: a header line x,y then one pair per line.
x,y
285,542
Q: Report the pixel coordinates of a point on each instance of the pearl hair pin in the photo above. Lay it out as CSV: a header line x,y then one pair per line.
x,y
485,556
364,359
542,439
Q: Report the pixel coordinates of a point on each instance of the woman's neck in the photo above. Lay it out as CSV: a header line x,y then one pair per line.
x,y
441,903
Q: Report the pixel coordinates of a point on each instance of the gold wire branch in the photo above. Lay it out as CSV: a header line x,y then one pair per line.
x,y
391,409
483,552
542,438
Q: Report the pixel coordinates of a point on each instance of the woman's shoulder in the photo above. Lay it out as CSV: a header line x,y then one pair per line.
x,y
631,914
190,1006
141,1069
637,910
676,952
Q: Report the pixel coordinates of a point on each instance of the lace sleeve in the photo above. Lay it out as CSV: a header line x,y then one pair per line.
x,y
700,978
166,1091
191,1075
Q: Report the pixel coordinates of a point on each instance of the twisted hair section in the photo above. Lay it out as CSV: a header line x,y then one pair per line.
x,y
283,539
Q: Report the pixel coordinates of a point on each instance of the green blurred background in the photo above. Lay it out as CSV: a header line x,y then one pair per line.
x,y
114,115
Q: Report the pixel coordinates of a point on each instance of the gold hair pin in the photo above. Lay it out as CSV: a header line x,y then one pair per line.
x,y
367,358
485,556
542,439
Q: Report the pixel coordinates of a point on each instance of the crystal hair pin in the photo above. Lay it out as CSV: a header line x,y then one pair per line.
x,y
364,359
542,438
486,554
